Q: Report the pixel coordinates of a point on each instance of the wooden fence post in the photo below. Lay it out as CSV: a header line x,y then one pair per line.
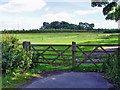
x,y
73,54
25,45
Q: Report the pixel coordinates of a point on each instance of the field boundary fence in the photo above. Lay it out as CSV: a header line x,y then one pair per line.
x,y
70,55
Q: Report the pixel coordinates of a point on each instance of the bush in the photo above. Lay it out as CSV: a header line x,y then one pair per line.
x,y
112,69
14,58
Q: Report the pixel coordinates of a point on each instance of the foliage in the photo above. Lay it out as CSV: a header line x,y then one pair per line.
x,y
112,14
66,25
42,31
112,69
107,30
111,9
61,31
14,58
99,4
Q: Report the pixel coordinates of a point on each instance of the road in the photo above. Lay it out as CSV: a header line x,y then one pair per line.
x,y
72,80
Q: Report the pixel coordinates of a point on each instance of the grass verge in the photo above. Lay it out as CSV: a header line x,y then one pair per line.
x,y
38,72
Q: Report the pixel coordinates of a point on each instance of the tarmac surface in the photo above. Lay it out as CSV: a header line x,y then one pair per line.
x,y
72,80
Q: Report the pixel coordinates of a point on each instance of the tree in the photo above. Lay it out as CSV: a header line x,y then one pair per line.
x,y
81,25
91,26
55,25
45,24
111,9
64,24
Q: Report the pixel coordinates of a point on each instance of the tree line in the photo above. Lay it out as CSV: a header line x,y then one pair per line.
x,y
58,27
60,31
66,25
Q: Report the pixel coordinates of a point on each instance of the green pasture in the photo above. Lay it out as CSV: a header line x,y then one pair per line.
x,y
67,38
59,38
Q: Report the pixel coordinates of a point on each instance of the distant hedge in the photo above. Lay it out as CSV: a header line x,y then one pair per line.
x,y
43,31
112,31
60,31
108,30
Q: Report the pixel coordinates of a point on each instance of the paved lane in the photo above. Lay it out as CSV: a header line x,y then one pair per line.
x,y
72,80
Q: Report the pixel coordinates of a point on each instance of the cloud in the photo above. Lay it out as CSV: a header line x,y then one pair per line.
x,y
67,0
119,24
34,22
22,5
84,12
62,16
91,11
106,24
46,9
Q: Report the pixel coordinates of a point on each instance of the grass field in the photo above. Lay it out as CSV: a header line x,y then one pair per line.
x,y
67,38
58,38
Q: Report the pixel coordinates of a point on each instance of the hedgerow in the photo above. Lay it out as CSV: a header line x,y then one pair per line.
x,y
59,31
112,69
14,58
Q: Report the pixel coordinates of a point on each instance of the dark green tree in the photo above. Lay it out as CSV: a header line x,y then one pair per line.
x,y
91,26
45,24
81,25
64,24
55,25
111,9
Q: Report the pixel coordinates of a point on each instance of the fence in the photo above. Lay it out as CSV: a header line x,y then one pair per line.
x,y
69,54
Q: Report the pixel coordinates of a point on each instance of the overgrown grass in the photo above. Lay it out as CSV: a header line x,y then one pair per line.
x,y
14,81
112,70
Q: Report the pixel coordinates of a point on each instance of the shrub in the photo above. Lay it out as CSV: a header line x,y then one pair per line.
x,y
112,69
14,58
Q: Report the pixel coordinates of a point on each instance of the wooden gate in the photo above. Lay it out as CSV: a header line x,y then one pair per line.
x,y
68,55
95,56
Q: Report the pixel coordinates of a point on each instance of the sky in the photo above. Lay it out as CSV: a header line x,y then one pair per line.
x,y
30,14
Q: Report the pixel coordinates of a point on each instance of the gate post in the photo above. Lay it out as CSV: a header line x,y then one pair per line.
x,y
25,45
73,54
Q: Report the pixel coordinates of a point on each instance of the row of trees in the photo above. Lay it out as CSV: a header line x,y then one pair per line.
x,y
66,25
